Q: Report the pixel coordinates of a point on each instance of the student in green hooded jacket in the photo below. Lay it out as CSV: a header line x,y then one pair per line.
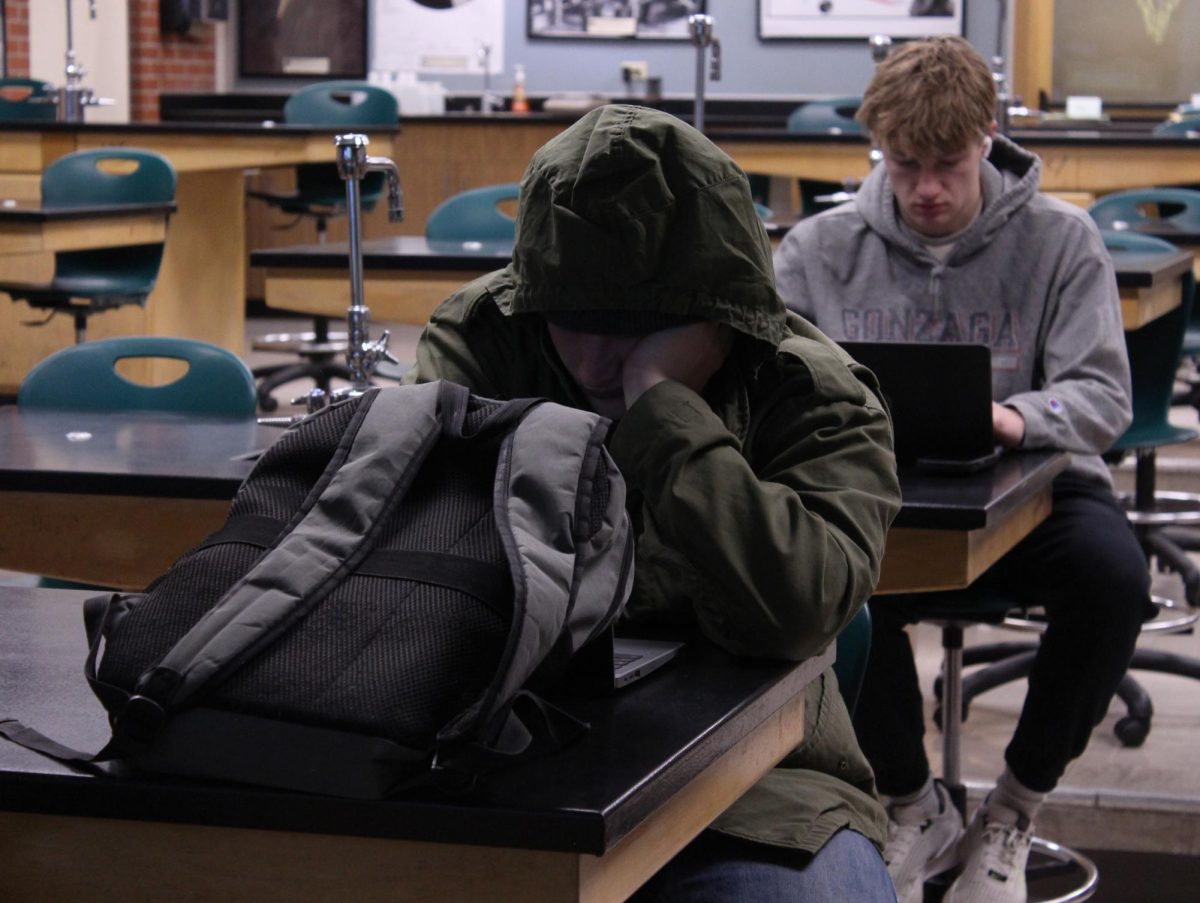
x,y
758,458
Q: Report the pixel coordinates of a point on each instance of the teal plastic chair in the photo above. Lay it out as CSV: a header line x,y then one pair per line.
x,y
84,377
853,650
1184,128
92,281
26,99
320,194
1164,209
824,117
473,215
1160,208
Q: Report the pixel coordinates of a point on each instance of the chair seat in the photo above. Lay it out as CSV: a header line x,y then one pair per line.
x,y
1153,436
973,604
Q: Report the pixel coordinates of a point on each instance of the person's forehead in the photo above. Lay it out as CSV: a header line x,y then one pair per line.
x,y
906,151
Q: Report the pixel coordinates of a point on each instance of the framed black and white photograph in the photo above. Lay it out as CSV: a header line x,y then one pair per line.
x,y
302,38
612,19
858,18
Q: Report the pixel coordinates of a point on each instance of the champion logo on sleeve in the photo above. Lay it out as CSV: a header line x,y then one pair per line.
x,y
1055,405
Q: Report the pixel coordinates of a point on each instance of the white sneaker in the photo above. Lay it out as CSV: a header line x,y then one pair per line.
x,y
994,856
919,847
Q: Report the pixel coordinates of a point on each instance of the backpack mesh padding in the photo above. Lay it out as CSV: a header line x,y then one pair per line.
x,y
276,488
389,657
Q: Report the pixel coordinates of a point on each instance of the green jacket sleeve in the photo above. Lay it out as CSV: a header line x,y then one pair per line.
x,y
788,530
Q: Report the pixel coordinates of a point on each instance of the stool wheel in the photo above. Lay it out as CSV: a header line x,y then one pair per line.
x,y
1132,731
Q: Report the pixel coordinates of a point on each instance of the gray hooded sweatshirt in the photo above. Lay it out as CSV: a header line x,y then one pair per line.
x,y
1030,278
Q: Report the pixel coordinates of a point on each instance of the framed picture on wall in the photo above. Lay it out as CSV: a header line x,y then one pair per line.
x,y
654,20
858,18
302,39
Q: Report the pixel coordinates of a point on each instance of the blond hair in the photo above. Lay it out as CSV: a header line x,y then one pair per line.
x,y
930,97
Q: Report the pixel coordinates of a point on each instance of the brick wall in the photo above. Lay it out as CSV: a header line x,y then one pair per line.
x,y
158,62
16,31
165,63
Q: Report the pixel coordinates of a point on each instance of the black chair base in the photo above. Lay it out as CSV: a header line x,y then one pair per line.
x,y
322,355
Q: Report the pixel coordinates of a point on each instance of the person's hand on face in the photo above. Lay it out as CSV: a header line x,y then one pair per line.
x,y
687,354
614,370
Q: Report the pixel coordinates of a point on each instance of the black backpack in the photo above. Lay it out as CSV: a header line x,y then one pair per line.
x,y
393,573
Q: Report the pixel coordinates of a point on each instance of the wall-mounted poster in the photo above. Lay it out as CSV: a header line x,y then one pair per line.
x,y
302,38
858,18
463,37
612,19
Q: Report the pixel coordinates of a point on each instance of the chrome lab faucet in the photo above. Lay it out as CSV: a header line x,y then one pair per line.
x,y
700,28
362,355
72,97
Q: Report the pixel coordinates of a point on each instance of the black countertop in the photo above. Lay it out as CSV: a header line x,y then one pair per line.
x,y
170,455
644,744
35,214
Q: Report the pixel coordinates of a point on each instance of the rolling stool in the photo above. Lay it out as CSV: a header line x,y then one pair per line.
x,y
1063,875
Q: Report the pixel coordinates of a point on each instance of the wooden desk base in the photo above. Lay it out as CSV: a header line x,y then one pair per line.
x,y
64,857
922,560
109,540
125,542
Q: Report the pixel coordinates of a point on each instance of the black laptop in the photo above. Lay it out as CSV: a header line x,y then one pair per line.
x,y
940,398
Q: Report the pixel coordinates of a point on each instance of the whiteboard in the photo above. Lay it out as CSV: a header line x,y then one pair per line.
x,y
437,36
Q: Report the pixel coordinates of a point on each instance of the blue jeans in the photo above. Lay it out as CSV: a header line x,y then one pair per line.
x,y
716,868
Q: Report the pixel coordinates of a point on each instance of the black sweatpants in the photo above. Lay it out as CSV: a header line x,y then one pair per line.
x,y
1084,565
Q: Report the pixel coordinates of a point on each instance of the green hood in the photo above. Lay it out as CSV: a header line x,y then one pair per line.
x,y
632,209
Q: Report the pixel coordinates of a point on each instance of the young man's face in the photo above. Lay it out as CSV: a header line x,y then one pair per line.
x,y
937,195
597,362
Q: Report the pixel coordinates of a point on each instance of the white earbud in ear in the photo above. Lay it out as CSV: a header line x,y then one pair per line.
x,y
987,146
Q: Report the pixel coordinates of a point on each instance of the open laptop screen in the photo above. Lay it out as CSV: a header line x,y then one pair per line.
x,y
940,398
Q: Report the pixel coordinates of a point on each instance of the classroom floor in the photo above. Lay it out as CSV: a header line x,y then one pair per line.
x,y
1137,810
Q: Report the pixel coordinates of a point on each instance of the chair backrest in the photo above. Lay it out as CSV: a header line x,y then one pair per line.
x,y
1154,349
1165,207
826,116
108,175
83,377
853,650
1136,242
474,216
26,99
1189,125
342,103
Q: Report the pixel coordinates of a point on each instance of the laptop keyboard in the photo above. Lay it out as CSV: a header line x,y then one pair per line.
x,y
623,658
